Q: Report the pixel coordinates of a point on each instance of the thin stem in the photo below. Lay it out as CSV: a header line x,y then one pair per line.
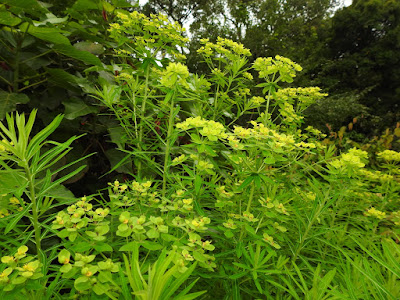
x,y
32,85
37,56
250,197
35,217
5,80
168,144
247,209
141,130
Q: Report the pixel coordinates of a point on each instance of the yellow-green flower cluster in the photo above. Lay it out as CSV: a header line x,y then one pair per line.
x,y
4,212
389,155
84,265
247,75
305,145
373,212
226,47
286,68
128,195
79,216
178,160
304,96
123,76
19,269
270,240
249,217
198,247
5,145
268,203
376,175
183,205
242,92
257,101
395,217
289,115
355,158
315,131
15,205
283,140
223,193
210,129
147,34
260,132
230,224
198,224
175,73
203,165
131,225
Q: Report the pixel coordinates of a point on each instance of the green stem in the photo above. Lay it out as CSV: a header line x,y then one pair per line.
x,y
250,197
304,236
16,67
32,85
168,144
216,104
141,125
35,217
247,209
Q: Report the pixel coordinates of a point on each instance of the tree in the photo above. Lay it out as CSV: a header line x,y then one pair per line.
x,y
363,57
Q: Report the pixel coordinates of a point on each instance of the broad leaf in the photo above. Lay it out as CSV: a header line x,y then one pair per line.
x,y
7,18
93,48
82,5
11,181
71,51
52,35
76,107
9,101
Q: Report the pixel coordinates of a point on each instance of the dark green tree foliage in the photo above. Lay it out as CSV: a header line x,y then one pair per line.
x,y
364,54
46,49
292,28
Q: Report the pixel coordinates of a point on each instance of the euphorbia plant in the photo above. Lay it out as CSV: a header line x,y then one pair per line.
x,y
29,182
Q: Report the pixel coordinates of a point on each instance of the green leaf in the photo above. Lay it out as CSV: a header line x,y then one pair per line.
x,y
129,247
75,107
52,19
270,160
60,192
151,245
229,234
99,288
95,49
123,3
12,181
31,6
52,35
82,5
102,247
84,56
7,18
119,161
64,79
15,219
168,237
152,233
82,284
18,280
246,182
9,101
81,247
198,256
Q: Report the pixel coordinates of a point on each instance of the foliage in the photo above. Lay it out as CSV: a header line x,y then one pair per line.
x,y
45,48
230,197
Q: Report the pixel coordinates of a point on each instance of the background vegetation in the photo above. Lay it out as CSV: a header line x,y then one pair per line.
x,y
209,168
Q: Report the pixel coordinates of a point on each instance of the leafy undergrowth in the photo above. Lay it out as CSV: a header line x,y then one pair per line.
x,y
232,197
